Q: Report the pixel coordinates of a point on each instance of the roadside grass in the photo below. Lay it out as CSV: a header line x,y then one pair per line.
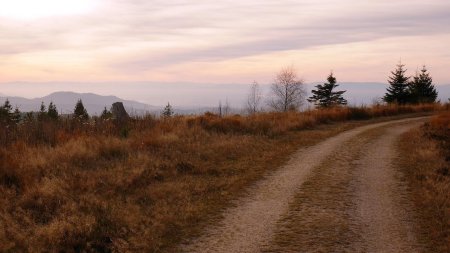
x,y
426,164
144,186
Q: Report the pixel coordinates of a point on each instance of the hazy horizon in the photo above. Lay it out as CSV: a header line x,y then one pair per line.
x,y
191,94
153,93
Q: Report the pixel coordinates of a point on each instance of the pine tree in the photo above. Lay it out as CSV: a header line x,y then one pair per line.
x,y
324,96
52,112
80,112
106,114
16,116
42,115
422,88
6,112
168,111
7,106
398,91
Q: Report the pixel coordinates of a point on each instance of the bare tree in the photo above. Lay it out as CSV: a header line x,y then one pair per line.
x,y
254,98
219,109
288,91
223,109
226,108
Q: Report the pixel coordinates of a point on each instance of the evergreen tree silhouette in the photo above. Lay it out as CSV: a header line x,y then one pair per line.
x,y
106,114
42,115
398,91
52,112
324,96
6,112
168,111
422,88
16,115
80,112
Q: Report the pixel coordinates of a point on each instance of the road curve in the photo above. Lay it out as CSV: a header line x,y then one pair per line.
x,y
253,220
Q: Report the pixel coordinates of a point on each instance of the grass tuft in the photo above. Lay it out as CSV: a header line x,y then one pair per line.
x,y
426,153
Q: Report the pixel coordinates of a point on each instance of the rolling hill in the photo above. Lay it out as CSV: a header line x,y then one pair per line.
x,y
65,102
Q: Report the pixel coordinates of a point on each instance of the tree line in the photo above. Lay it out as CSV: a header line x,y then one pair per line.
x,y
288,91
403,90
9,116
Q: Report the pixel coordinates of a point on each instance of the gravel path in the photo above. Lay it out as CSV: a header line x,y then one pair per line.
x,y
254,220
382,201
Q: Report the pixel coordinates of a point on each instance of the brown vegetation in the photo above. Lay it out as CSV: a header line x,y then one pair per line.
x,y
97,186
427,166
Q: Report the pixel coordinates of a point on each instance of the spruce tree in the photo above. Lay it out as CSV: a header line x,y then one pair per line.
x,y
52,112
80,112
106,114
42,114
324,96
422,88
168,111
6,112
7,106
398,91
16,115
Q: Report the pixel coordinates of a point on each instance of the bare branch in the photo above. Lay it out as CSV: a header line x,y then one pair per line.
x,y
288,91
254,98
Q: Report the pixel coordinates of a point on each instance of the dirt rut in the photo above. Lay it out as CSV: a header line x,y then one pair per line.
x,y
381,198
253,221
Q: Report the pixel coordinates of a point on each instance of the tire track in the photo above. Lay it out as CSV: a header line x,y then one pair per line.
x,y
251,222
383,207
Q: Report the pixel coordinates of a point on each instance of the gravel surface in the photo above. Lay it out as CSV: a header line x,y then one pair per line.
x,y
253,221
382,200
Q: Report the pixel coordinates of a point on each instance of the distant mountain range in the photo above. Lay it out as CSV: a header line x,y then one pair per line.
x,y
197,98
65,103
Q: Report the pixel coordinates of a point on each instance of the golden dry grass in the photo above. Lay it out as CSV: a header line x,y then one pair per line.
x,y
426,153
99,187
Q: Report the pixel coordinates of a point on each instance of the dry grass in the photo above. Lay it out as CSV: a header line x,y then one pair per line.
x,y
100,187
427,165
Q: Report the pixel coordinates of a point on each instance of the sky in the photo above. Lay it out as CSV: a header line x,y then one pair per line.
x,y
219,42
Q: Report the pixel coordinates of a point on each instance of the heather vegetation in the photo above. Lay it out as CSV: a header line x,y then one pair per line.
x,y
94,184
426,163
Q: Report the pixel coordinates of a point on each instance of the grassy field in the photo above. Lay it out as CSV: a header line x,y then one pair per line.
x,y
426,163
99,186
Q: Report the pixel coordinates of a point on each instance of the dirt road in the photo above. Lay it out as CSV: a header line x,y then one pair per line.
x,y
343,194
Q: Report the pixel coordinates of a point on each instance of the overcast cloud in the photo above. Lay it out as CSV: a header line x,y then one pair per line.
x,y
214,41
